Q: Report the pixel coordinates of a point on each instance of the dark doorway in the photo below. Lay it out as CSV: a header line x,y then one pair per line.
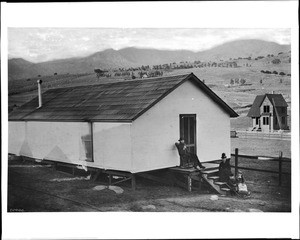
x,y
188,130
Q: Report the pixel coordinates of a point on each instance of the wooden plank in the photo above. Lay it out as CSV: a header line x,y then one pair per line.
x,y
123,180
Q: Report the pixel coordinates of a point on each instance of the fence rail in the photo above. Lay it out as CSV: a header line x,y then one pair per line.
x,y
250,134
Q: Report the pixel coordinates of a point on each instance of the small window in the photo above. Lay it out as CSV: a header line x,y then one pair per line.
x,y
266,109
283,120
265,121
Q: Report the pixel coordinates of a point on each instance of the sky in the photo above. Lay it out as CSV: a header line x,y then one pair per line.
x,y
44,44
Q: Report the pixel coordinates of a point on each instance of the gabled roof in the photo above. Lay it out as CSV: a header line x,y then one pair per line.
x,y
118,101
274,98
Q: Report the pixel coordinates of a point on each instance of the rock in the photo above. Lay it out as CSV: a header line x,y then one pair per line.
x,y
99,187
237,210
214,198
254,210
149,207
116,189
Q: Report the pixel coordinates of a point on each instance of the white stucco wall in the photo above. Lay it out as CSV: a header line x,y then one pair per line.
x,y
62,141
155,132
112,146
59,141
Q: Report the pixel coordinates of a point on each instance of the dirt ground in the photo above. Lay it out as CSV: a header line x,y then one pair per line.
x,y
36,187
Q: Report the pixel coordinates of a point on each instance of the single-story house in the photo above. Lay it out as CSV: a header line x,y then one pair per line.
x,y
126,126
269,113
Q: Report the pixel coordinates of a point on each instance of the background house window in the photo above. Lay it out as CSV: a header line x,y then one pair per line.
x,y
266,109
283,120
257,121
265,121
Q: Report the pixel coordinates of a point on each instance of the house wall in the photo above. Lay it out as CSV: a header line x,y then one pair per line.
x,y
62,141
155,132
266,128
280,115
112,145
59,141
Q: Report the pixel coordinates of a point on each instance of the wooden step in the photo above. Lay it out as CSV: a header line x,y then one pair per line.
x,y
225,189
220,183
213,177
209,171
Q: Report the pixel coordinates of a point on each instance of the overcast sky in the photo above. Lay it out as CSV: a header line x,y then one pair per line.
x,y
43,44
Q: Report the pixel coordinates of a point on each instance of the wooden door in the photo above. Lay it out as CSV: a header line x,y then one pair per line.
x,y
188,131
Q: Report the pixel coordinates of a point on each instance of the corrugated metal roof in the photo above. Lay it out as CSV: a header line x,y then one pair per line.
x,y
118,101
255,109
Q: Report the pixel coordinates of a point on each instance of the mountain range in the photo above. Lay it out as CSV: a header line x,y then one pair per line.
x,y
132,57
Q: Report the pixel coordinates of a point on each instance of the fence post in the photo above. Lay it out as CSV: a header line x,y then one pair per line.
x,y
280,167
236,162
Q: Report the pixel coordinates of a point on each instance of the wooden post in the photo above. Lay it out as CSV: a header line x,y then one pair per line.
x,y
280,167
189,182
109,179
133,182
236,162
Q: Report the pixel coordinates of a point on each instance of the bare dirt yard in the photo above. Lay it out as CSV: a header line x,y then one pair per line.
x,y
36,187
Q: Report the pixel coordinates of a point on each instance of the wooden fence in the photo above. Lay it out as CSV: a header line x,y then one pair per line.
x,y
280,160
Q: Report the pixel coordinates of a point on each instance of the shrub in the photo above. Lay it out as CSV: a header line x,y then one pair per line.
x,y
282,73
276,61
262,71
275,72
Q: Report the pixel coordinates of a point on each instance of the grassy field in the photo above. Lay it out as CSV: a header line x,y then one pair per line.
x,y
33,187
261,147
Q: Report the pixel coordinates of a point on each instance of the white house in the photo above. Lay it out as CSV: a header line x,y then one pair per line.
x,y
126,126
269,113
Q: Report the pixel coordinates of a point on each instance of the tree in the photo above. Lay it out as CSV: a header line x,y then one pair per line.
x,y
99,72
276,61
243,81
231,81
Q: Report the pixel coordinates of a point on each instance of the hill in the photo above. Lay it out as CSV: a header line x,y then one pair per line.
x,y
131,57
243,48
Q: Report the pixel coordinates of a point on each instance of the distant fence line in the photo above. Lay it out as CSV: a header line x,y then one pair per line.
x,y
263,135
